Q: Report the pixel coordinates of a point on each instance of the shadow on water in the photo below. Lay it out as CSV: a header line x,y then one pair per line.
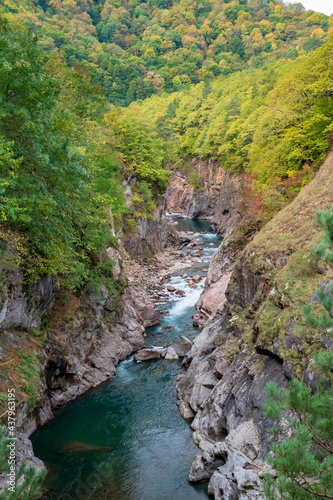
x,y
125,439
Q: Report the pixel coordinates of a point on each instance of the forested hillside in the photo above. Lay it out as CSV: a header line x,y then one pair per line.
x,y
66,148
60,163
138,49
273,123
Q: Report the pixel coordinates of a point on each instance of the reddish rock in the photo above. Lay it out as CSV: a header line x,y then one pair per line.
x,y
196,278
180,292
171,288
218,199
148,314
211,301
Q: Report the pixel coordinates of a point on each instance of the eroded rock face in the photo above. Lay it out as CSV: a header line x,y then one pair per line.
x,y
85,352
23,308
213,299
171,354
150,236
215,198
182,346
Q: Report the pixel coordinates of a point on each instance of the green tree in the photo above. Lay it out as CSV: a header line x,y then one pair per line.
x,y
28,480
58,180
304,463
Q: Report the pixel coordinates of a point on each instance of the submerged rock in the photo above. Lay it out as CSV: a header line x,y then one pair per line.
x,y
77,447
147,354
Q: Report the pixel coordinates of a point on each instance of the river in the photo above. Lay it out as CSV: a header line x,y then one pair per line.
x,y
137,446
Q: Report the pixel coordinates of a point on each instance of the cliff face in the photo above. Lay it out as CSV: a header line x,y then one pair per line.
x,y
255,333
214,197
150,235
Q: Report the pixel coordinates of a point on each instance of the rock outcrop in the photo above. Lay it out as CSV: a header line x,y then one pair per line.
x,y
215,196
150,235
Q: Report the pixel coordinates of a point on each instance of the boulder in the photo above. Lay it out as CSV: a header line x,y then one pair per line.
x,y
147,354
170,354
199,240
182,346
171,288
204,466
236,480
180,292
147,312
185,410
185,237
196,278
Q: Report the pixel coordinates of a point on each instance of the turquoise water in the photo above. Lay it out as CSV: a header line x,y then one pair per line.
x,y
138,445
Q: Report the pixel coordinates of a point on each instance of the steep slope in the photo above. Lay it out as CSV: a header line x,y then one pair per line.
x,y
257,335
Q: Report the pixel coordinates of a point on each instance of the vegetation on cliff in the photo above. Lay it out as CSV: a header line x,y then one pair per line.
x,y
65,148
273,123
248,83
304,462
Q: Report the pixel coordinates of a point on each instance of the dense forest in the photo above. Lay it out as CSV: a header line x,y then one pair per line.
x,y
138,49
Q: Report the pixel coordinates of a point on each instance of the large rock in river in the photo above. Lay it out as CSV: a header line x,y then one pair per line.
x,y
182,346
147,354
171,354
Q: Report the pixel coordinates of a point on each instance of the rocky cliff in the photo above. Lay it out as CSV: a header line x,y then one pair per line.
x,y
255,333
213,194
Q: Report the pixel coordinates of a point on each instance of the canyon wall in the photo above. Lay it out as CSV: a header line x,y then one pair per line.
x,y
215,196
254,333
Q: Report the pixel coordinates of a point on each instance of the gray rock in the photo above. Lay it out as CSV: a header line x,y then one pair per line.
x,y
199,240
182,346
204,466
236,480
171,354
147,354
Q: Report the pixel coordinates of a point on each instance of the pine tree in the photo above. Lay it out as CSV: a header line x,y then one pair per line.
x,y
304,463
28,479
